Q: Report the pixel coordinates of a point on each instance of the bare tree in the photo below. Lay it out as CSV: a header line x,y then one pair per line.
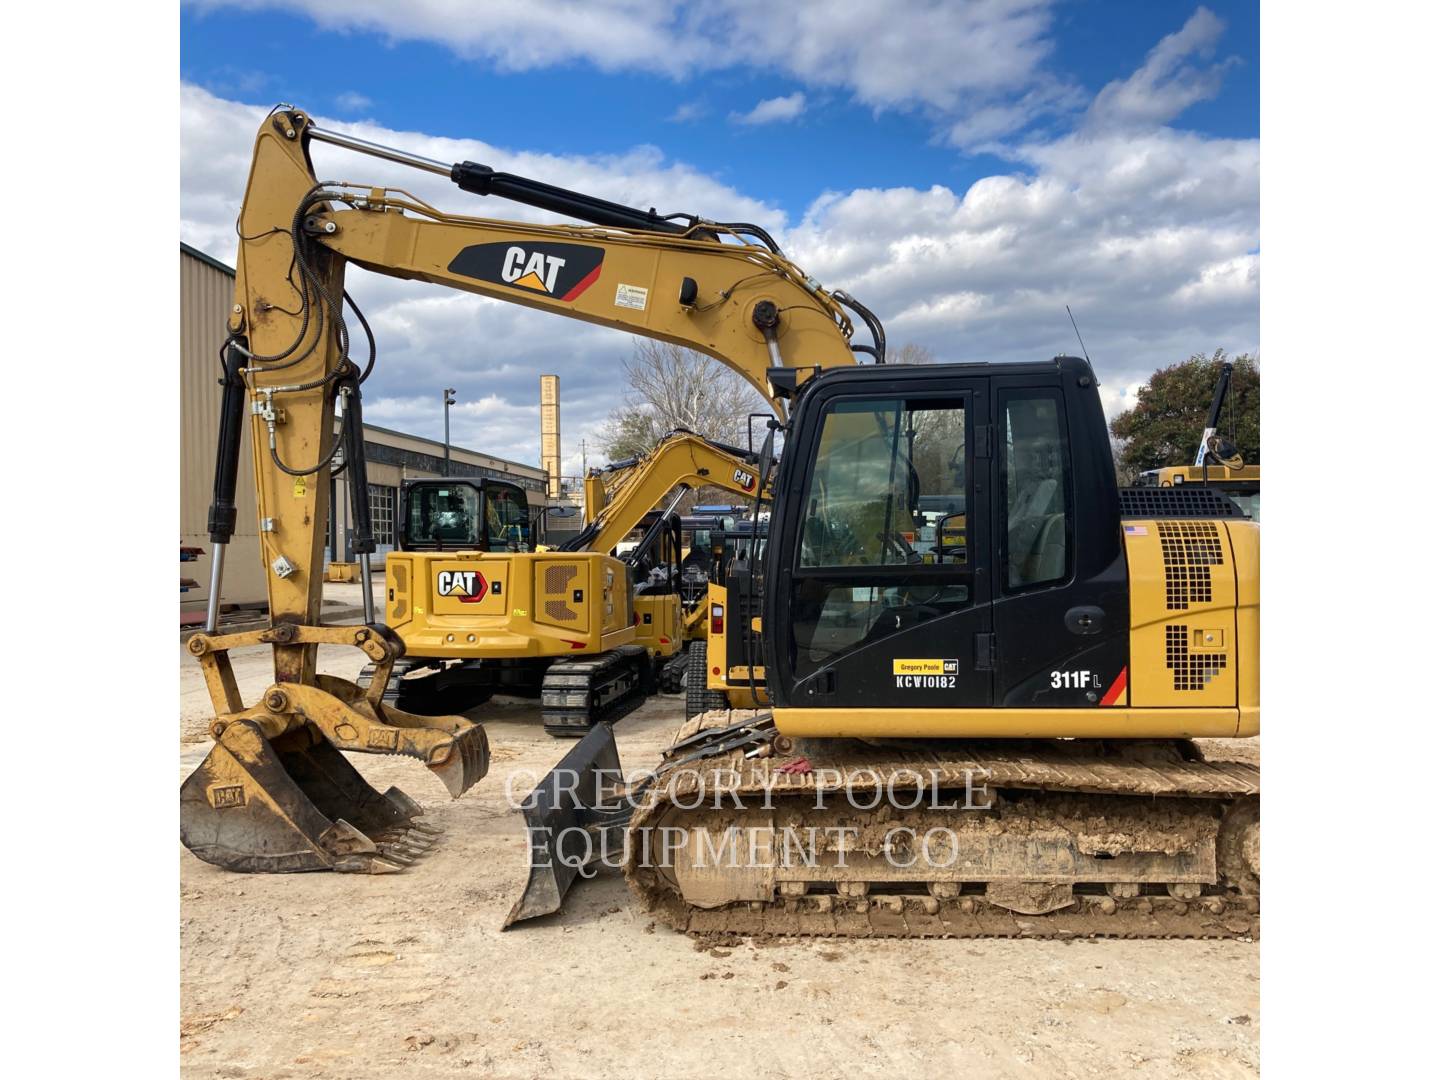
x,y
913,353
673,387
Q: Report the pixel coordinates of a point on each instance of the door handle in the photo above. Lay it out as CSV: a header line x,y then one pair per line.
x,y
1085,620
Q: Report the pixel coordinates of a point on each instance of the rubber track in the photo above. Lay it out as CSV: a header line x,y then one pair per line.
x,y
599,668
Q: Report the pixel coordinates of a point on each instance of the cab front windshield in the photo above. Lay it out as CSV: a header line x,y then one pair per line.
x,y
888,487
444,515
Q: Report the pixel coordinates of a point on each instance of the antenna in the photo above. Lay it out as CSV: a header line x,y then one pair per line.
x,y
1077,332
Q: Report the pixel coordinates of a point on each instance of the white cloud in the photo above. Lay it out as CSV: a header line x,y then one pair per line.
x,y
352,101
1167,84
688,112
1150,238
1147,232
950,57
773,110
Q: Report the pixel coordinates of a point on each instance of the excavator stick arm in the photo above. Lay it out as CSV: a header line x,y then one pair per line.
x,y
682,457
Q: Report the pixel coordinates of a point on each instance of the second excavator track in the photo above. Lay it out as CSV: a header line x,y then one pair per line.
x,y
1030,839
578,693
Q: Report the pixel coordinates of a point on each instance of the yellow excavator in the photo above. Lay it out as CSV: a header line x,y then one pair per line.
x,y
477,615
723,668
681,461
977,729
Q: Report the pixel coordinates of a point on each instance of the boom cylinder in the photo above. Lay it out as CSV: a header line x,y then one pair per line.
x,y
483,180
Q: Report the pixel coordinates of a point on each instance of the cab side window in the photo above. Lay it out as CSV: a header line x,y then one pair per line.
x,y
1036,498
507,520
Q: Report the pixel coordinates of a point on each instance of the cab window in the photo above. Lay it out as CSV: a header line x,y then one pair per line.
x,y
447,515
507,520
888,486
1036,492
883,540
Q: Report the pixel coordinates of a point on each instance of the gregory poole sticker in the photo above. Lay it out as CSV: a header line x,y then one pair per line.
x,y
925,673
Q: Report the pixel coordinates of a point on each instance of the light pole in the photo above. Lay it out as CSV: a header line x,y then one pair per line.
x,y
449,400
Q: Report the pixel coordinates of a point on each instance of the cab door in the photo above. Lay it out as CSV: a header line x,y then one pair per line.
x,y
1060,591
879,570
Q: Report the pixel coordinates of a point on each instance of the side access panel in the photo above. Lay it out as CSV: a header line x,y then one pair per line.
x,y
1182,627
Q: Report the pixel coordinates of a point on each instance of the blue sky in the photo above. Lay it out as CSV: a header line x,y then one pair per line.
x,y
1096,140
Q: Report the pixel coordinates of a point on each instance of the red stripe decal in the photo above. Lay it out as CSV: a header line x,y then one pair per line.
x,y
585,283
1116,688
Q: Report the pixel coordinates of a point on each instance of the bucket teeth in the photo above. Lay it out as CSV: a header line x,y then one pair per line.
x,y
426,828
372,863
402,842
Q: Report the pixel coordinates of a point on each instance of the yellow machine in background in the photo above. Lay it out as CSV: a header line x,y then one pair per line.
x,y
681,459
1218,463
1241,483
725,669
591,633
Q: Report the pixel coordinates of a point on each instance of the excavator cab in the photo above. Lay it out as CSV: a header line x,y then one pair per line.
x,y
464,515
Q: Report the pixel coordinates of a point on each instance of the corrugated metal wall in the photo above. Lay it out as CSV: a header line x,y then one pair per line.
x,y
206,294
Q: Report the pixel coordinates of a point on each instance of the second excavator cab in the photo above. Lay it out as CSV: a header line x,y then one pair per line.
x,y
464,514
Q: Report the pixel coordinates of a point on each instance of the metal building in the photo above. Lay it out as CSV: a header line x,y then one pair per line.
x,y
207,288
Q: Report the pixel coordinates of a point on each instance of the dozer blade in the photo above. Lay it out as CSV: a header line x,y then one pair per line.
x,y
293,802
570,817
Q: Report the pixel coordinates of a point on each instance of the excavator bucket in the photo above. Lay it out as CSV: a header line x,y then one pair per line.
x,y
293,801
572,816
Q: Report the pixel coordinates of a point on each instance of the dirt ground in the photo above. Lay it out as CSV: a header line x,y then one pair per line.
x,y
348,976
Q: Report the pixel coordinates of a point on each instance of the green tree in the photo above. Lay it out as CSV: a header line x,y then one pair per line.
x,y
1165,425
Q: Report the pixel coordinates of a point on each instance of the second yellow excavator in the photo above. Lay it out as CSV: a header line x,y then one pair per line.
x,y
591,634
